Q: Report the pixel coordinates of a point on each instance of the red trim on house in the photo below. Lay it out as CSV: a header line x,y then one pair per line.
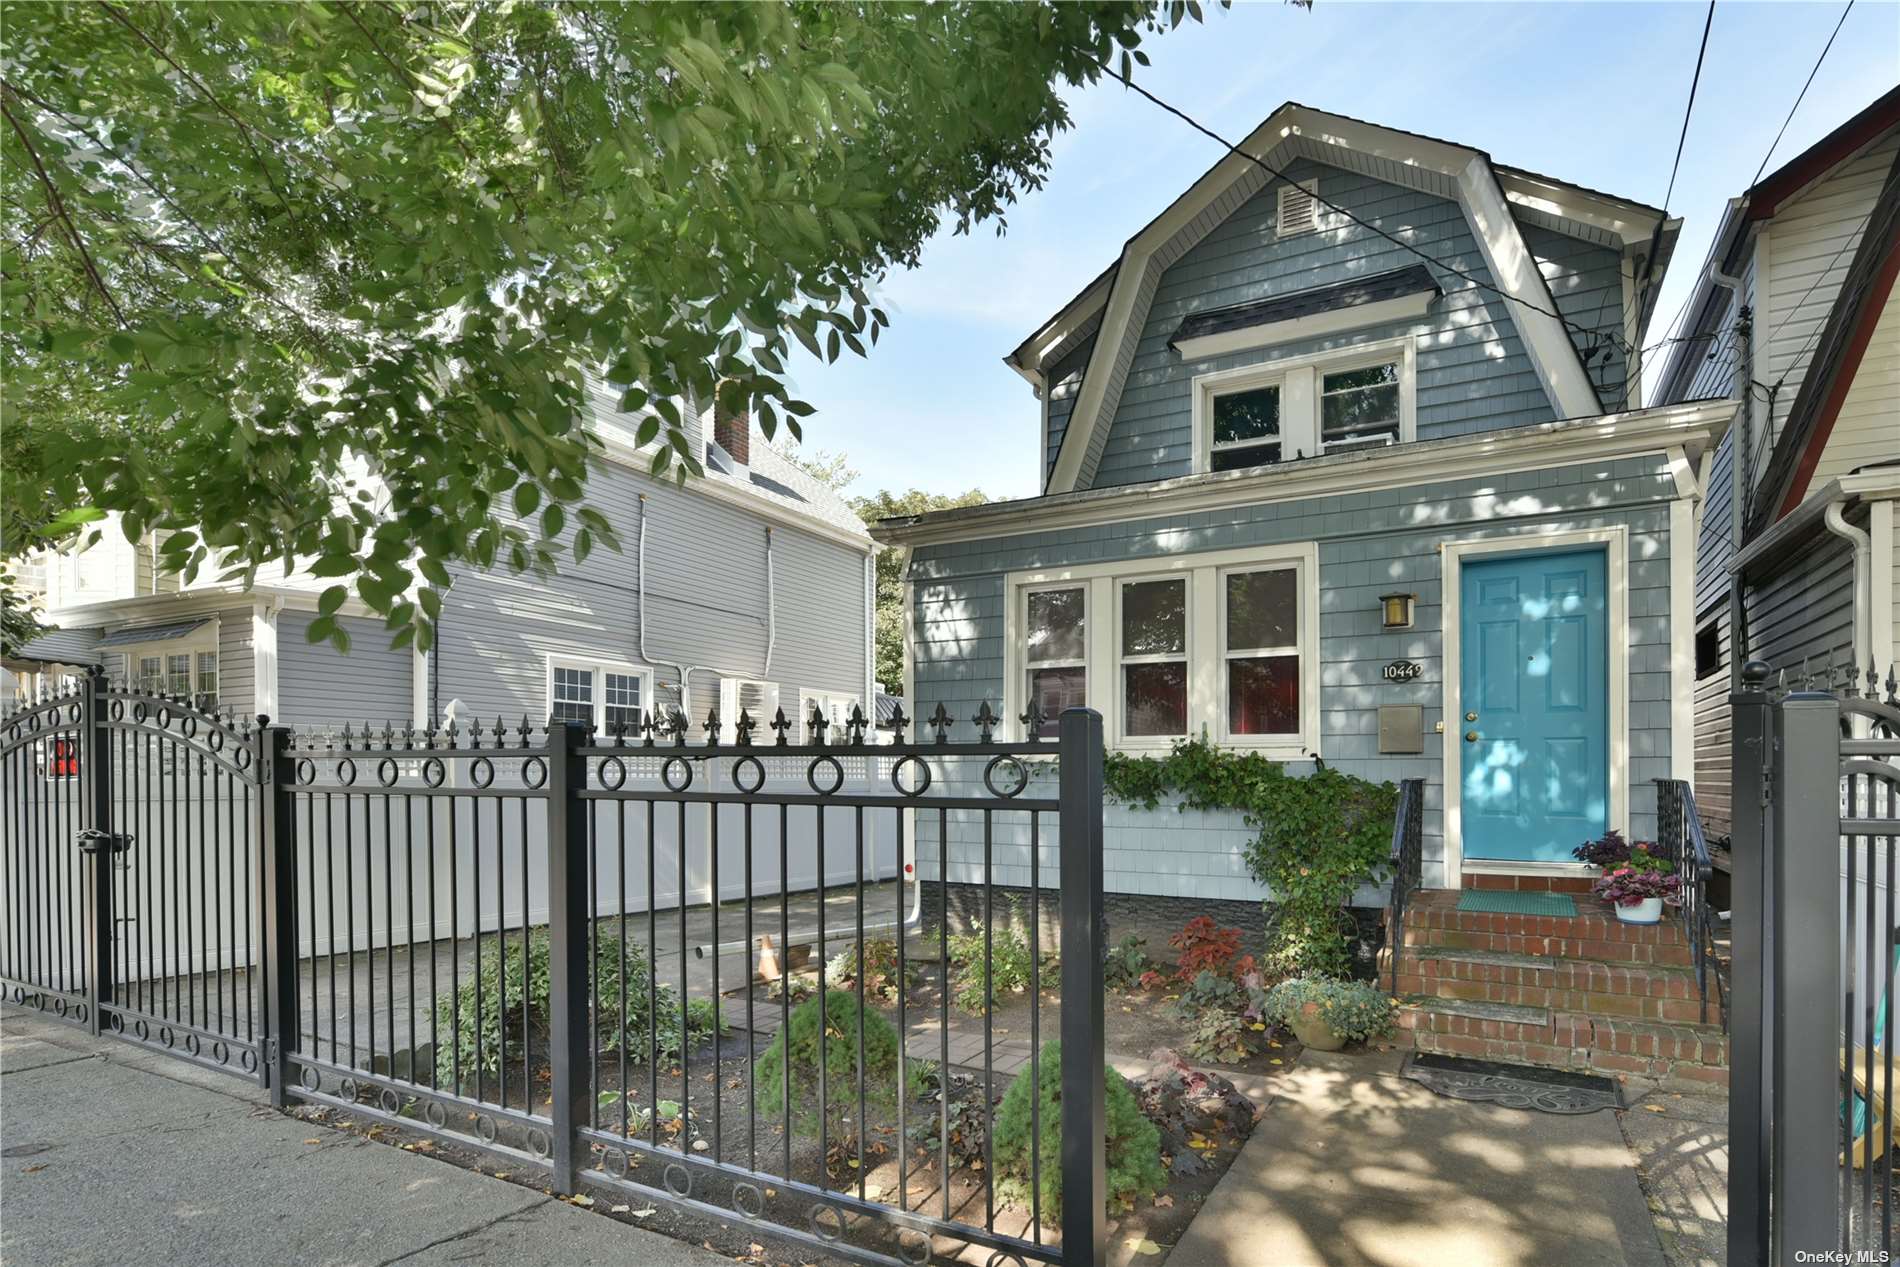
x,y
1879,289
1814,162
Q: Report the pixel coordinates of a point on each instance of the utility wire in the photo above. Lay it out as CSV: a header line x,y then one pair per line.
x,y
1689,107
1591,336
1802,95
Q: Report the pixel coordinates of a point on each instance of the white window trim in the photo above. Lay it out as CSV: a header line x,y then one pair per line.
x,y
729,708
1302,636
600,669
204,638
1185,657
837,706
1299,379
1205,684
1089,677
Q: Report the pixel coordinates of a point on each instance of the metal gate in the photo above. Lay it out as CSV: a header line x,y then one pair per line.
x,y
550,946
1816,933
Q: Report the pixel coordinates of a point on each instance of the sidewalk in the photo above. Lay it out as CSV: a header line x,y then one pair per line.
x,y
1354,1165
113,1155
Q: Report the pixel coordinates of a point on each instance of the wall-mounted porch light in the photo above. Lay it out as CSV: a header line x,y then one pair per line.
x,y
1397,610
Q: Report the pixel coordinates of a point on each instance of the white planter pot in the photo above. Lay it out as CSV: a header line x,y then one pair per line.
x,y
1647,911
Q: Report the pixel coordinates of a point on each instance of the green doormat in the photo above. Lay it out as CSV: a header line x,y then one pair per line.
x,y
1511,902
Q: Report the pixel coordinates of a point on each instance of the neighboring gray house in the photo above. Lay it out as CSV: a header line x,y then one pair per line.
x,y
1309,494
750,587
1796,312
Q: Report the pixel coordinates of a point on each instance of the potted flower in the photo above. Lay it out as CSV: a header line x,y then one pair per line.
x,y
1639,886
1325,1013
1605,853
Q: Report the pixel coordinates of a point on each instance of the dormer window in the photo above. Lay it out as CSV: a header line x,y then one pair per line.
x,y
1247,428
1301,407
1298,209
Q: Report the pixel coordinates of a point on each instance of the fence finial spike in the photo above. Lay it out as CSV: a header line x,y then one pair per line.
x,y
854,726
1893,686
712,726
744,729
815,723
1032,720
780,724
898,721
941,721
986,722
527,728
680,725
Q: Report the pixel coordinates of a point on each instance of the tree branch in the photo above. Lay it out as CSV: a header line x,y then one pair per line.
x,y
57,206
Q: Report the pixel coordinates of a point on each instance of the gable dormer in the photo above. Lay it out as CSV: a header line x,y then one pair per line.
x,y
1277,309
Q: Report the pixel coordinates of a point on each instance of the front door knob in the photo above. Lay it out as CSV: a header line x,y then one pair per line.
x,y
1471,736
1471,717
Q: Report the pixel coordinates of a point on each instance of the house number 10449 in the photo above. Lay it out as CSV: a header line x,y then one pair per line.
x,y
1403,670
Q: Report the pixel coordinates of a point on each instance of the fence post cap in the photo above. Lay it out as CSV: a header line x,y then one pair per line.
x,y
1756,673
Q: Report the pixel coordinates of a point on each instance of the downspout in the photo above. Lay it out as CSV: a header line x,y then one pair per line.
x,y
1863,570
686,671
870,638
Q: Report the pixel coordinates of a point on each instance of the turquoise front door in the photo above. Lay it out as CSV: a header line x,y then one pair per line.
x,y
1534,690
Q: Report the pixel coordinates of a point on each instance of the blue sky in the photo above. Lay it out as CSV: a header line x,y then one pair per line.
x,y
1591,93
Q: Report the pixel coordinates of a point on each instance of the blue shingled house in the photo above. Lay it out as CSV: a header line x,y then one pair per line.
x,y
1344,460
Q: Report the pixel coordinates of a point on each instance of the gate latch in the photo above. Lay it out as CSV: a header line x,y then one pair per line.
x,y
94,841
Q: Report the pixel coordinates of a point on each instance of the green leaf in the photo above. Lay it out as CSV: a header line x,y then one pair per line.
x,y
331,599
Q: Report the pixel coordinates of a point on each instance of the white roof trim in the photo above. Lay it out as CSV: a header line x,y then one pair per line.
x,y
1687,428
1486,202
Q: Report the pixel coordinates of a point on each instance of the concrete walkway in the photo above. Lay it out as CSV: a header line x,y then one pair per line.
x,y
113,1155
1354,1166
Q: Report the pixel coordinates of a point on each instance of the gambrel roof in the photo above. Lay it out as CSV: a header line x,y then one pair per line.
x,y
1497,201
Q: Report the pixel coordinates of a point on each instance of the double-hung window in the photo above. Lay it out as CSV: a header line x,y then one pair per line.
x,y
208,676
604,696
1222,643
1246,428
1153,653
1056,653
178,674
1300,407
151,673
1260,651
1360,407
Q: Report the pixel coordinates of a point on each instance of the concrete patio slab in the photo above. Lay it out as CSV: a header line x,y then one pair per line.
x,y
1354,1166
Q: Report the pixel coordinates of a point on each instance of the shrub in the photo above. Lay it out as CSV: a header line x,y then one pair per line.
x,y
1134,1144
880,964
1126,962
1351,1009
1009,966
1211,992
1321,836
1220,1035
467,1016
835,1033
1207,947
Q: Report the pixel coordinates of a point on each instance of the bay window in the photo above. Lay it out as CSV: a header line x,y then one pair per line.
x,y
1153,653
1056,651
1223,643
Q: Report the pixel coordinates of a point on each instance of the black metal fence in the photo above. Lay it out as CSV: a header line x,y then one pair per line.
x,y
1817,824
580,952
1407,863
1680,839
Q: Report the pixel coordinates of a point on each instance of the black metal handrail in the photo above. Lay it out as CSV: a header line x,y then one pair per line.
x,y
1407,862
1680,839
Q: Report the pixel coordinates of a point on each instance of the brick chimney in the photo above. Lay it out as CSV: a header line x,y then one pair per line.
x,y
733,433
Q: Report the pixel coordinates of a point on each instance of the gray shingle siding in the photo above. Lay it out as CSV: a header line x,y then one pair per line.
x,y
1365,548
1473,374
320,686
1586,280
1065,380
1802,611
706,592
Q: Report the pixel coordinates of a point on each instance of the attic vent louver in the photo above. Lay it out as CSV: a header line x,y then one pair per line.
x,y
1298,209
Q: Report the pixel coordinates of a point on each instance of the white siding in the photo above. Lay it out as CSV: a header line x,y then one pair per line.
x,y
319,686
1867,429
1812,240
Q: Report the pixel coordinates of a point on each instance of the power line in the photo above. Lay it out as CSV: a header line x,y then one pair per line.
x,y
1802,95
1592,336
1689,108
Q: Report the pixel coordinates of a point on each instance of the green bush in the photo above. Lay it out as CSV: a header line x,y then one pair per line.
x,y
1134,1143
491,1013
1125,961
1320,836
1010,964
840,1021
880,963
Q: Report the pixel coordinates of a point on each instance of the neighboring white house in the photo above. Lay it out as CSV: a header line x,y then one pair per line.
x,y
751,587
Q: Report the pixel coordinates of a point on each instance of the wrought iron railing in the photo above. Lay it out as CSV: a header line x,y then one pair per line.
x,y
1816,950
519,938
1407,863
1680,839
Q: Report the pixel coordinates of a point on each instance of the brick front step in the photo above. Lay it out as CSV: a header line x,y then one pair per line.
x,y
1594,921
1567,1040
1561,939
1636,991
